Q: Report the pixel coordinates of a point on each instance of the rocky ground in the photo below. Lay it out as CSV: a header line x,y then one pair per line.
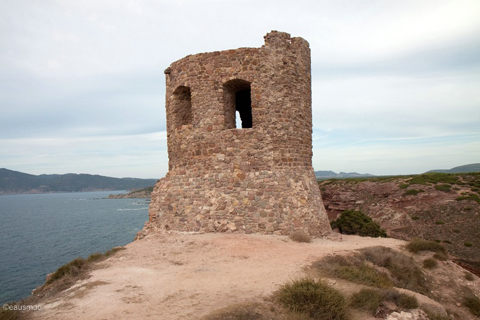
x,y
425,206
187,276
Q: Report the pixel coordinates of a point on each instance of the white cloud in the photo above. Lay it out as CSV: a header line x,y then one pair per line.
x,y
82,84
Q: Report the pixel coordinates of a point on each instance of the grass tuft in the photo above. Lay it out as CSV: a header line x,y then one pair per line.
x,y
403,271
430,263
366,299
246,311
352,269
300,236
473,304
469,276
313,298
418,245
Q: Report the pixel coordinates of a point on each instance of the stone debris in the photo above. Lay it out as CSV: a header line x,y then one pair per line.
x,y
416,314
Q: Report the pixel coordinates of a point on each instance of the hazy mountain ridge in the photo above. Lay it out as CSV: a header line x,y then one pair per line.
x,y
12,182
332,175
474,167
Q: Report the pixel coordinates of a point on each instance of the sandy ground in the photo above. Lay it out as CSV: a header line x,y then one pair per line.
x,y
185,276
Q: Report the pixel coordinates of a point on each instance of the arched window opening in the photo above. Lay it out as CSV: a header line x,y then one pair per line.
x,y
238,104
182,106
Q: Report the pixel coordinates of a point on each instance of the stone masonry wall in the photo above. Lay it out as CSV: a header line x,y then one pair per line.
x,y
256,179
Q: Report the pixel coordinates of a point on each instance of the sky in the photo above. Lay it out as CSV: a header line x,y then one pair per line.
x,y
395,84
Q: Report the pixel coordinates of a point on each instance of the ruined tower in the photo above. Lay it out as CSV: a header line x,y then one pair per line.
x,y
254,179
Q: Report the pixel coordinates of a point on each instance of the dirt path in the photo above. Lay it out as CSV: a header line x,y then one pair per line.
x,y
185,276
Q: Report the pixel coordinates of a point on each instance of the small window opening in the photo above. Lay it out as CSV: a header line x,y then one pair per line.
x,y
243,104
238,104
182,106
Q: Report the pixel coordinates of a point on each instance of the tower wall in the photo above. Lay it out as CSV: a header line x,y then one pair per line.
x,y
256,179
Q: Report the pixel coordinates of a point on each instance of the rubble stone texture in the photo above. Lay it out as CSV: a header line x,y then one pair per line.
x,y
255,179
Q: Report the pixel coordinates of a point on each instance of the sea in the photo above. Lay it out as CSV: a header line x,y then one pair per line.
x,y
41,232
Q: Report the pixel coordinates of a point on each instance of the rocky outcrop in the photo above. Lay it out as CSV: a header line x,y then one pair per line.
x,y
442,212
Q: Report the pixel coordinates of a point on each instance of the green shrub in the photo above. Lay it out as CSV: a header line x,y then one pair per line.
x,y
473,197
366,299
314,298
473,304
439,222
418,245
403,186
411,192
430,263
415,217
467,244
443,187
300,236
355,222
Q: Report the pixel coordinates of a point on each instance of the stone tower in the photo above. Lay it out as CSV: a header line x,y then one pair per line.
x,y
254,179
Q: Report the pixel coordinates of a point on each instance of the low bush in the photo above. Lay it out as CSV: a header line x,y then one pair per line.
x,y
76,266
372,299
366,299
71,268
402,268
430,263
411,192
467,244
402,300
443,187
418,245
355,222
472,197
313,298
353,269
300,236
473,304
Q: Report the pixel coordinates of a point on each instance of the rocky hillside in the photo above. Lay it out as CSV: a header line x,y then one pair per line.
x,y
434,206
12,182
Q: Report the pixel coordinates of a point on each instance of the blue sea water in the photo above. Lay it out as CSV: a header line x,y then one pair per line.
x,y
41,232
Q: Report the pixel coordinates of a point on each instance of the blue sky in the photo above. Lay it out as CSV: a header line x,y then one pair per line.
x,y
395,84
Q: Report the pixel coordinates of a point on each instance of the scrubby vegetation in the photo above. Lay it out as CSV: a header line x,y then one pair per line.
x,y
74,267
473,304
246,311
352,268
430,263
313,298
418,245
300,236
356,222
371,300
402,268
